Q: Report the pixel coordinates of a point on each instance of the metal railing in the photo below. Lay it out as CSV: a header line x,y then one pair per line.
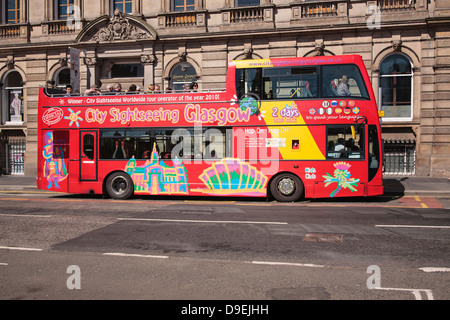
x,y
399,159
397,5
253,14
12,155
9,31
319,9
181,20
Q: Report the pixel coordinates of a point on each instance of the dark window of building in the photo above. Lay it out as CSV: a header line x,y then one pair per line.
x,y
183,5
246,3
65,9
13,11
131,70
182,76
62,77
125,6
12,98
396,87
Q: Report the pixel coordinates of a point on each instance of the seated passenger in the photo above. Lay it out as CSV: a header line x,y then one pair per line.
x,y
119,152
307,91
339,149
333,87
343,89
132,89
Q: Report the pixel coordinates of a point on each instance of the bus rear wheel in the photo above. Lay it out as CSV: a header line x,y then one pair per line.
x,y
286,187
119,185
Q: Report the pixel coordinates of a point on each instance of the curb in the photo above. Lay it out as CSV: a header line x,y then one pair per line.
x,y
419,193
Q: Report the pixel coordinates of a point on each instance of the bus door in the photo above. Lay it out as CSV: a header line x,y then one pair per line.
x,y
346,166
88,155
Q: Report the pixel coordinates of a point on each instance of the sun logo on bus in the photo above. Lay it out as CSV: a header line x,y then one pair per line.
x,y
234,100
74,118
341,177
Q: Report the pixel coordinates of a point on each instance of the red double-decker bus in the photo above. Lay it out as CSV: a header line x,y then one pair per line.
x,y
284,128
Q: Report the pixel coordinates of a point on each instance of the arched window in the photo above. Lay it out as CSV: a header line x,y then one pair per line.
x,y
62,77
12,106
395,90
181,76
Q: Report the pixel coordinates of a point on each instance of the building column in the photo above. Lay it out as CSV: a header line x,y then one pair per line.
x,y
148,60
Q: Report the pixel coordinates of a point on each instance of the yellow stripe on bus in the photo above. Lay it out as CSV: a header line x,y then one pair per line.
x,y
286,132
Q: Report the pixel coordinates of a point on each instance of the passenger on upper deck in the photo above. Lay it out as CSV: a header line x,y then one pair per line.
x,y
132,89
109,90
151,88
93,90
193,87
342,89
118,88
69,91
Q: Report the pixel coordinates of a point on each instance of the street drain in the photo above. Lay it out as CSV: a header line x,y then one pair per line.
x,y
323,237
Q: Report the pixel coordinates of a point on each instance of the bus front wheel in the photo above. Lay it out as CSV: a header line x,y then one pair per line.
x,y
286,187
119,185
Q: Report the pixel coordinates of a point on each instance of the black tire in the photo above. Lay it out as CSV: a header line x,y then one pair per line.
x,y
119,185
286,187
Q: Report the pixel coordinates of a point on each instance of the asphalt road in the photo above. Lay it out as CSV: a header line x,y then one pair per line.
x,y
188,249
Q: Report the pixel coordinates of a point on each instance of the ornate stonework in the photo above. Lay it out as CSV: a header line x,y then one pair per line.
x,y
148,58
397,45
319,49
9,64
120,28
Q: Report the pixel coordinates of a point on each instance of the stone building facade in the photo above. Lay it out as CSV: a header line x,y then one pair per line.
x,y
405,45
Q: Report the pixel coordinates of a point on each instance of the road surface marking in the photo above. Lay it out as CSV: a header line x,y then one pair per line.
x,y
310,265
415,292
200,221
421,203
3,264
409,226
25,215
433,269
31,192
118,254
21,248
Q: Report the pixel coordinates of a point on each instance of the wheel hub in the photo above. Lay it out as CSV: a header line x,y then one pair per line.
x,y
286,186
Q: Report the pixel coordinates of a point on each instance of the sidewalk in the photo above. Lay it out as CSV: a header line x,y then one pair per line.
x,y
393,185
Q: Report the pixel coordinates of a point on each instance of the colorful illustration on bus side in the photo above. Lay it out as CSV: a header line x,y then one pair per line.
x,y
73,117
54,167
155,177
252,102
233,177
341,177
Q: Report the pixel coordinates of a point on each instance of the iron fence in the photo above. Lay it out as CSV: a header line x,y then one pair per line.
x,y
12,152
399,158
